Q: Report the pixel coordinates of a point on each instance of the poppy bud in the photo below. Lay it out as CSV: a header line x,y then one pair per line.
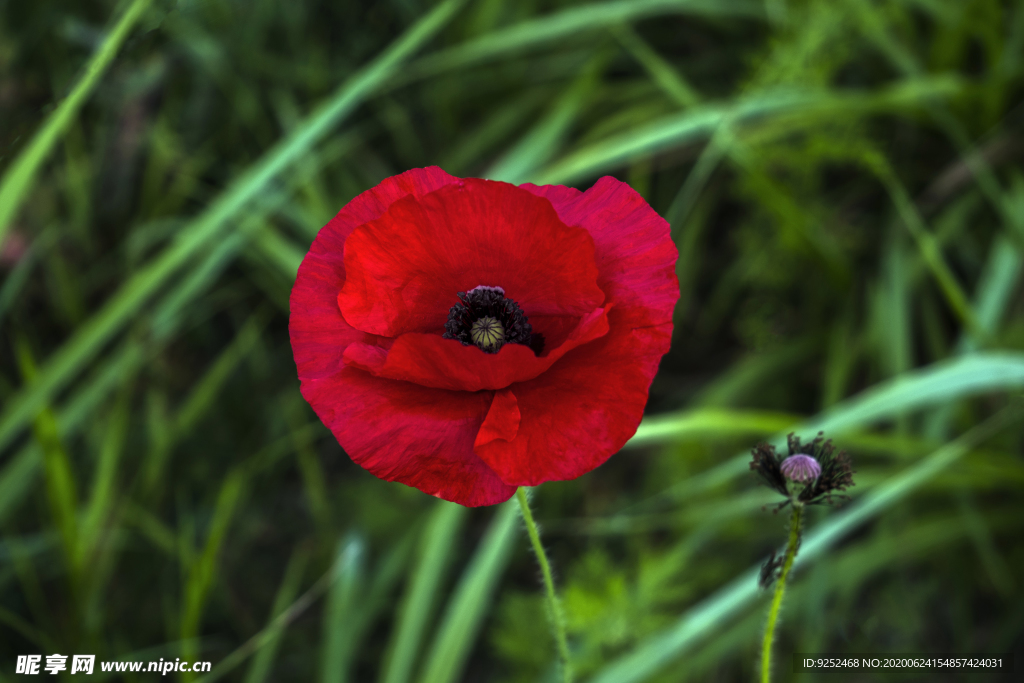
x,y
801,468
821,471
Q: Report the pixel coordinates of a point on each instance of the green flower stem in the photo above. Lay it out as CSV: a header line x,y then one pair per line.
x,y
554,608
780,590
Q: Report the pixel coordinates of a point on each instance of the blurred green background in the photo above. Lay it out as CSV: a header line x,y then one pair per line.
x,y
843,181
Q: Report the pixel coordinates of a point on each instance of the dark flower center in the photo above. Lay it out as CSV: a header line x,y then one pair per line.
x,y
487,320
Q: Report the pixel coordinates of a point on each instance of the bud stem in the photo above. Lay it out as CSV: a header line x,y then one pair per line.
x,y
554,609
780,590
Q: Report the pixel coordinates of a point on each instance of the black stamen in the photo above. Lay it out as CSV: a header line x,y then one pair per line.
x,y
487,320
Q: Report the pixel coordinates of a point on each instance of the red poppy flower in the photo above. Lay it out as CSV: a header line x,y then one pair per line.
x,y
467,336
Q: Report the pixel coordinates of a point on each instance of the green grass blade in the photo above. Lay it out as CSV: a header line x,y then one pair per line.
x,y
254,229
17,179
926,243
753,371
438,543
18,477
151,528
340,614
387,573
279,250
699,122
314,481
26,630
663,134
992,297
660,71
20,470
905,61
68,361
545,138
934,385
698,622
714,152
897,487
711,421
492,132
202,570
980,531
293,612
205,392
996,286
263,662
60,478
19,561
16,278
168,314
102,496
570,23
468,605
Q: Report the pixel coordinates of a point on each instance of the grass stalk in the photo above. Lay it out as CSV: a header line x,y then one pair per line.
x,y
17,180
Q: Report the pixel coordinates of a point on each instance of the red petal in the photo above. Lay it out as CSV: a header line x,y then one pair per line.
x,y
405,268
502,421
413,435
318,332
430,361
633,248
582,410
